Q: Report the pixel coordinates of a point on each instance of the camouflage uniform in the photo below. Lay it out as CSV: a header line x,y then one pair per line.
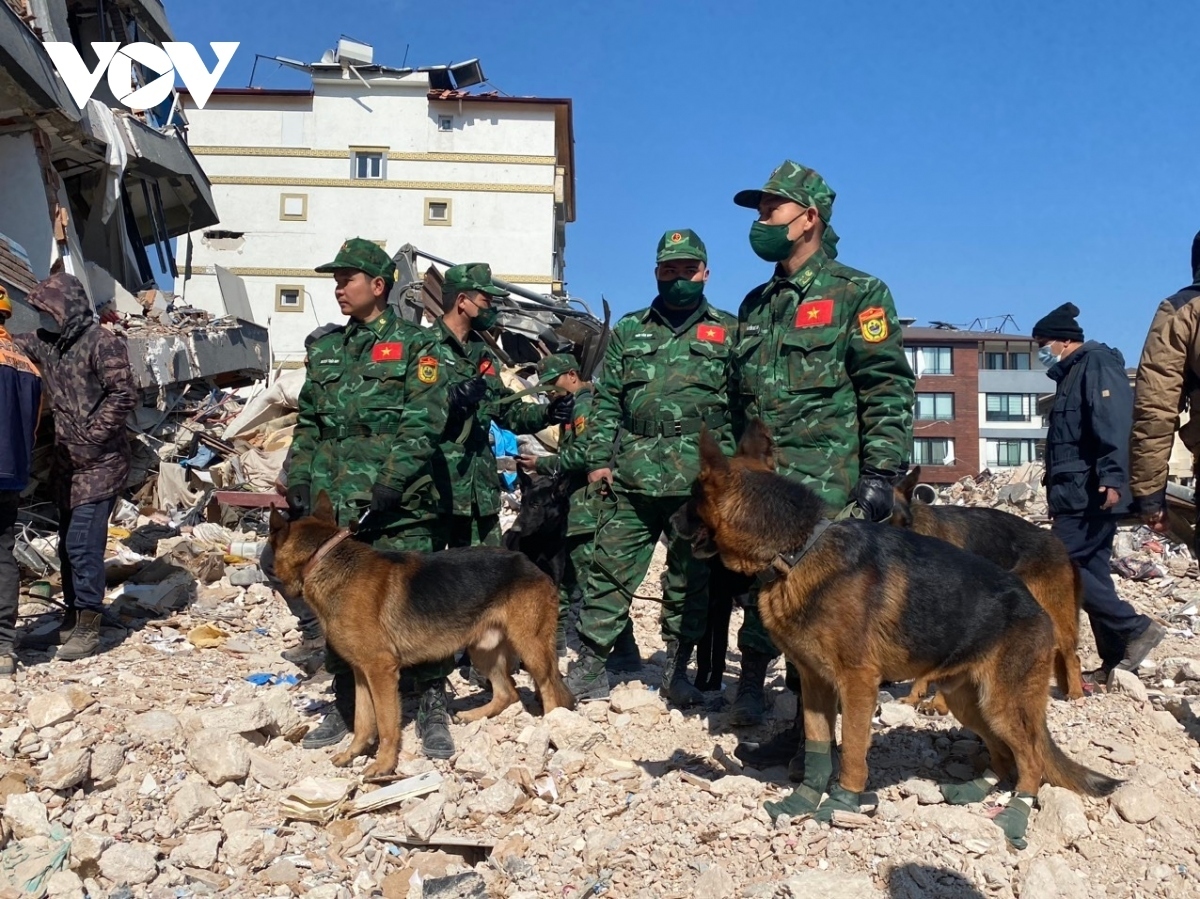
x,y
571,464
466,473
371,412
658,387
819,358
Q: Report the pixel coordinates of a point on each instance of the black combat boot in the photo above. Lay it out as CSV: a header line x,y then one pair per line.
x,y
675,684
750,707
625,657
339,720
433,722
587,678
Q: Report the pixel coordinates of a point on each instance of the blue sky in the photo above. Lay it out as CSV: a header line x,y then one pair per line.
x,y
988,158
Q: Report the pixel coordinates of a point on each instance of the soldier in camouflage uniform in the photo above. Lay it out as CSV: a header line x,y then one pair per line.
x,y
664,378
372,411
466,473
819,359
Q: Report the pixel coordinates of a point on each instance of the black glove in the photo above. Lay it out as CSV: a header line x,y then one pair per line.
x,y
561,410
466,396
385,502
299,500
873,494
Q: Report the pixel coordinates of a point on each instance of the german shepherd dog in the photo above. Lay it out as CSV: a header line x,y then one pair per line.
x,y
1034,555
383,611
862,603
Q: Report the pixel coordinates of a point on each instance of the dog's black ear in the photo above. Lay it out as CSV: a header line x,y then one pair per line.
x,y
324,507
905,486
713,463
756,443
277,522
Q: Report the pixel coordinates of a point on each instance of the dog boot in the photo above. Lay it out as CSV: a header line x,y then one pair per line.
x,y
625,657
433,723
972,791
339,720
838,800
85,637
587,678
675,685
750,707
1014,819
806,798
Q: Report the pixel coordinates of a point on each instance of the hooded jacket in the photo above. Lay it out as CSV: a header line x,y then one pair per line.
x,y
1168,381
91,391
1087,436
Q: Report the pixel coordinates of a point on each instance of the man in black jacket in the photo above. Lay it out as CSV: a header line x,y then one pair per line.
x,y
1087,478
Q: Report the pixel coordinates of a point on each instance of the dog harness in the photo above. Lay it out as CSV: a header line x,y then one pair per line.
x,y
782,564
325,549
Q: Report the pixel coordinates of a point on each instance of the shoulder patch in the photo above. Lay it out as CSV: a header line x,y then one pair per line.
x,y
427,370
579,425
873,324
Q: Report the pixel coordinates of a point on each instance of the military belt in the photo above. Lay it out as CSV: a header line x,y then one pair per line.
x,y
342,432
644,427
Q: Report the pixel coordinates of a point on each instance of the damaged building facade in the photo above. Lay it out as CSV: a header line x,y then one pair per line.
x,y
400,156
96,190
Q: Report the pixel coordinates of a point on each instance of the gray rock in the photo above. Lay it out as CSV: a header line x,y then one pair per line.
x,y
1136,804
268,772
626,698
714,883
832,885
282,872
1122,681
198,850
54,708
128,864
538,744
64,885
1061,816
244,847
284,718
570,730
26,816
897,714
192,800
156,726
498,799
219,757
242,718
926,791
86,849
1052,878
423,820
456,886
107,761
65,769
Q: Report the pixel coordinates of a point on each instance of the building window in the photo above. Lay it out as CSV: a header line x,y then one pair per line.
x,y
369,165
935,407
437,212
293,207
933,451
445,123
289,298
994,361
1011,453
1010,407
1019,361
930,360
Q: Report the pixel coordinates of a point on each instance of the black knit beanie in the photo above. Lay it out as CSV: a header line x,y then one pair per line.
x,y
1196,257
1060,324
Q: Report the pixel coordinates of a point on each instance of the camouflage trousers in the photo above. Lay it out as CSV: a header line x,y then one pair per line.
x,y
619,563
574,579
472,530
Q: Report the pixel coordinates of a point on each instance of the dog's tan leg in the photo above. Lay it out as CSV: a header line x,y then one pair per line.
x,y
494,664
538,653
859,691
917,693
364,722
962,700
382,680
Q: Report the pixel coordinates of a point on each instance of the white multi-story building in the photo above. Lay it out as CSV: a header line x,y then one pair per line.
x,y
373,152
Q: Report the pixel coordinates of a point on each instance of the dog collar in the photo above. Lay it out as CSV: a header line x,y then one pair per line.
x,y
325,549
782,564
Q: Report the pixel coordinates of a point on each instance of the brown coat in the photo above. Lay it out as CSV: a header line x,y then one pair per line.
x,y
1168,381
91,393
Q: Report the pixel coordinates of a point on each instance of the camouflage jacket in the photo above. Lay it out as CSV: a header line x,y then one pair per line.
x,y
657,386
372,410
86,374
820,360
570,462
466,475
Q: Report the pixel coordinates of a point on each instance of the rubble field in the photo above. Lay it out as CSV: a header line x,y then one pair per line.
x,y
168,767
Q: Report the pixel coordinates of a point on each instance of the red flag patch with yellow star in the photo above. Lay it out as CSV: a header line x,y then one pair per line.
x,y
814,313
873,324
387,352
486,367
711,333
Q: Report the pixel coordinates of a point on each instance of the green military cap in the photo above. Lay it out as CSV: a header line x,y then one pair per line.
x,y
470,276
683,243
553,366
365,256
795,182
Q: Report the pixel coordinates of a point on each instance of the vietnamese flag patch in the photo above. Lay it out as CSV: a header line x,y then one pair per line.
x,y
711,333
814,313
486,367
387,352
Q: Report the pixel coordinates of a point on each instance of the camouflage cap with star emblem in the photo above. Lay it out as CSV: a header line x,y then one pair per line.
x,y
682,243
365,256
794,182
470,276
553,366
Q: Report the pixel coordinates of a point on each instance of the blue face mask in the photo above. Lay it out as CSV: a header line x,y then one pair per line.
x,y
1046,357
